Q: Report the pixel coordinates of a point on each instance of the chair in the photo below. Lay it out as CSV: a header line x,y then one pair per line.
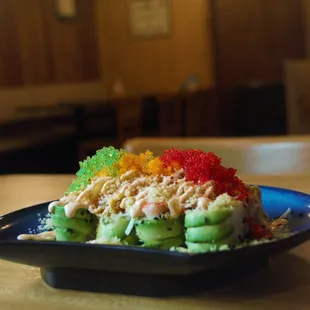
x,y
251,155
110,123
128,119
150,116
95,125
202,114
171,114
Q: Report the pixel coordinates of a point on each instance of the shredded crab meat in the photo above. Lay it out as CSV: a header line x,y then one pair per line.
x,y
139,195
144,195
281,222
278,223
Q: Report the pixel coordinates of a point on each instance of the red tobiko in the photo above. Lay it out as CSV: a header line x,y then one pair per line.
x,y
257,230
201,167
173,155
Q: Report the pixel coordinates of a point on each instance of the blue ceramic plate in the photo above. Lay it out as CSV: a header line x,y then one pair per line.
x,y
141,271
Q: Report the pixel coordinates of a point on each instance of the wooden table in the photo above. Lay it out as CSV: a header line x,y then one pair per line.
x,y
285,285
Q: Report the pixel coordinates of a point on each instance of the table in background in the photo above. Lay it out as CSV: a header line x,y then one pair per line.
x,y
285,285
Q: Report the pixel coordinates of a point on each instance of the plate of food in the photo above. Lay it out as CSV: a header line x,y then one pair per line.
x,y
174,224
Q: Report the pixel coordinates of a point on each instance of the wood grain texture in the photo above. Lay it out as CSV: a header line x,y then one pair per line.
x,y
306,23
159,65
253,38
37,48
297,85
203,114
22,288
170,116
10,58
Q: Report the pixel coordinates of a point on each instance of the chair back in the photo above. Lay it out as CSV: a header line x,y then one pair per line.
x,y
251,155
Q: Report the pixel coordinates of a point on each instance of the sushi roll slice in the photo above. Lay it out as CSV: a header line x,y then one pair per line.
x,y
222,225
162,233
79,228
114,227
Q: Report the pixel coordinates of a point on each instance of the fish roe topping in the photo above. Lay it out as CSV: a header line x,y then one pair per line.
x,y
137,163
145,163
109,161
257,230
198,166
101,164
201,167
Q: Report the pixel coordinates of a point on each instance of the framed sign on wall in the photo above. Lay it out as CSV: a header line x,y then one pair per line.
x,y
150,19
66,9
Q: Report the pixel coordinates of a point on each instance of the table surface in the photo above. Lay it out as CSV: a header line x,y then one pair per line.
x,y
284,285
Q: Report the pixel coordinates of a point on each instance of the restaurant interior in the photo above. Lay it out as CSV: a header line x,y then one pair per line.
x,y
230,77
98,73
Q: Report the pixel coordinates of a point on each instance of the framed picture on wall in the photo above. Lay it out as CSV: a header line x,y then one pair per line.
x,y
66,9
150,19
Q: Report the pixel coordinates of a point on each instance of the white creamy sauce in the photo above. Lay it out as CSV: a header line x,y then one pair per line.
x,y
168,180
106,186
128,201
60,202
181,189
208,191
174,206
44,236
72,207
91,188
189,192
202,203
63,201
136,209
52,206
126,175
138,182
142,194
124,189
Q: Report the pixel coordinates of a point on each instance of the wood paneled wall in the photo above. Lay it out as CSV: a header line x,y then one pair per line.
x,y
160,65
253,38
306,23
37,48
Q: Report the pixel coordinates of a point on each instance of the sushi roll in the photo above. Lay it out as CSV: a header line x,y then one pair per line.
x,y
81,227
222,225
184,198
114,228
163,233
